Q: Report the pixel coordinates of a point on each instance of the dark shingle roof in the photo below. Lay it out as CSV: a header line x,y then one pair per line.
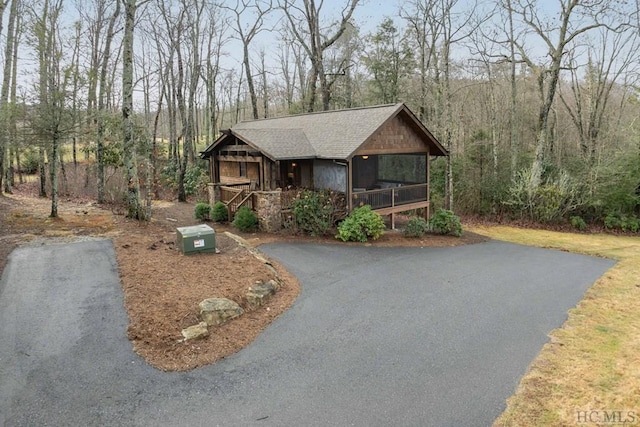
x,y
331,134
279,143
328,134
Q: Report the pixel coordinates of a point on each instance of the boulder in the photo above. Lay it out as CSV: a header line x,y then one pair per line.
x,y
259,294
196,331
216,311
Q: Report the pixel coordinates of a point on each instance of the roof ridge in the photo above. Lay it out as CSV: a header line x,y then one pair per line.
x,y
371,107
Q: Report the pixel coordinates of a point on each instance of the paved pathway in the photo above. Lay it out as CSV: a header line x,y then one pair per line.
x,y
378,337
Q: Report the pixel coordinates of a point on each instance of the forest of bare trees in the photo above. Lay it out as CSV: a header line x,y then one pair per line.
x,y
538,102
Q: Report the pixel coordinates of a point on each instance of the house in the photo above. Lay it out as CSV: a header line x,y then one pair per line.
x,y
376,155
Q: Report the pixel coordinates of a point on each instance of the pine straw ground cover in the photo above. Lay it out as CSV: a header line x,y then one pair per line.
x,y
591,366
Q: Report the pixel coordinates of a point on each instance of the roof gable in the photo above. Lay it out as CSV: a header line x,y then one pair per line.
x,y
334,134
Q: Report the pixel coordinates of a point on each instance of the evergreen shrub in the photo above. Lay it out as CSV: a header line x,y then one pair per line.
x,y
219,212
245,220
445,222
361,224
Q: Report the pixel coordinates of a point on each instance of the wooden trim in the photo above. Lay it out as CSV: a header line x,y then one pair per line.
x,y
402,208
389,151
239,159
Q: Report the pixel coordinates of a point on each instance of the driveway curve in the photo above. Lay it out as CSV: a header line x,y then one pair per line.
x,y
379,336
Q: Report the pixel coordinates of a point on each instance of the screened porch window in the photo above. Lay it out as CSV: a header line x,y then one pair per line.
x,y
402,168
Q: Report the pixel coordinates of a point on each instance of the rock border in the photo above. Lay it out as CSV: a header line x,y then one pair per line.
x,y
257,296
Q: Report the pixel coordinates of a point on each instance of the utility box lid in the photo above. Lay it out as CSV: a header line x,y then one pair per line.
x,y
196,238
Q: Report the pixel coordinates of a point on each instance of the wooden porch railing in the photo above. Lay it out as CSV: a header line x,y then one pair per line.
x,y
391,197
234,198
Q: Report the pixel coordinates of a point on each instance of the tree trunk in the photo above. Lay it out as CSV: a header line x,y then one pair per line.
x,y
102,95
134,206
249,77
5,112
53,169
513,136
42,172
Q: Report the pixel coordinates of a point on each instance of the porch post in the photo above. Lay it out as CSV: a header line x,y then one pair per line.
x,y
393,210
349,185
428,168
261,174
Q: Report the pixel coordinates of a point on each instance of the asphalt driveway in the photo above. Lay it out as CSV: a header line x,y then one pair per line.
x,y
379,336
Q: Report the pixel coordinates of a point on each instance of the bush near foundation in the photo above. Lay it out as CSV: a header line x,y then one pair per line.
x,y
361,225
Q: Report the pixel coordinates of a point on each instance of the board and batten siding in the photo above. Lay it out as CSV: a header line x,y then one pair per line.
x,y
229,169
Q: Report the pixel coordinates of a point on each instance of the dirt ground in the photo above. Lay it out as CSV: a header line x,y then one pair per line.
x,y
162,287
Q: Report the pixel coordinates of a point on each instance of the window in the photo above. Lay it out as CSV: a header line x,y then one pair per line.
x,y
243,168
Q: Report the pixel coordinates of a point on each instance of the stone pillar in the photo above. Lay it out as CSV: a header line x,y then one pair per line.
x,y
214,193
269,210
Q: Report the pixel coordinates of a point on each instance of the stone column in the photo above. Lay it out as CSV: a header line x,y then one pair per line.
x,y
269,210
214,193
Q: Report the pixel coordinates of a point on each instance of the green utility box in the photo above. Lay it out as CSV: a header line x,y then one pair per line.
x,y
196,239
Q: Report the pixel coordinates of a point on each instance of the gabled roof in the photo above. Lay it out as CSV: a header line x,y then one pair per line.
x,y
327,135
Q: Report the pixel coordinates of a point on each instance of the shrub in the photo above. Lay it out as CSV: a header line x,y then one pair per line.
x,y
361,224
202,211
552,200
616,220
219,212
445,222
631,224
313,212
245,220
578,222
416,227
195,178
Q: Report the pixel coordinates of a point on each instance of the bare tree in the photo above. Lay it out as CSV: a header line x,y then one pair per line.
x,y
215,42
426,33
5,109
135,209
102,98
307,26
513,136
446,24
14,146
264,84
591,85
52,121
556,33
245,33
3,5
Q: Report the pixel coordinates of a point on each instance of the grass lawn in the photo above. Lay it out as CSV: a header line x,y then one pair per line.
x,y
590,369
